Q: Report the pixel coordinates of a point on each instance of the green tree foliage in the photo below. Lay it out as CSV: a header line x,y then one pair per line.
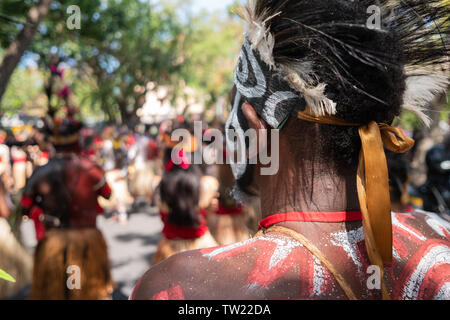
x,y
123,45
212,48
25,92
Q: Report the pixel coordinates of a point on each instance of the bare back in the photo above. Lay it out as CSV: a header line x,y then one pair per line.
x,y
275,266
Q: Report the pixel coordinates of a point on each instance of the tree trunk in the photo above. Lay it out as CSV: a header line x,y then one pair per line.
x,y
124,116
16,50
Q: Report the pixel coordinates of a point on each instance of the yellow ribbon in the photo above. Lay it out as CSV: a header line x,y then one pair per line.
x,y
373,183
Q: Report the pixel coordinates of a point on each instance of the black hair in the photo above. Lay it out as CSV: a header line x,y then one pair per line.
x,y
226,186
88,142
167,154
74,147
56,203
180,190
363,68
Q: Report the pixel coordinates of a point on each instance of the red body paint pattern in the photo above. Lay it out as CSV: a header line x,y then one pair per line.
x,y
174,293
265,271
421,279
437,272
424,274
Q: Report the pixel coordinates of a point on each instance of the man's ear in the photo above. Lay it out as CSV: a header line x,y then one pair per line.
x,y
254,121
257,124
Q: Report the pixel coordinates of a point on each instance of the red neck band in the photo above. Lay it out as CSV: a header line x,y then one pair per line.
x,y
324,217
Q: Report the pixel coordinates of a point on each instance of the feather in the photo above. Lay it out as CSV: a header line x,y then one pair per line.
x,y
315,43
421,91
300,77
315,97
256,30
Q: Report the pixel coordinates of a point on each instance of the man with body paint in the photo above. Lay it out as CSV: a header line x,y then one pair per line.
x,y
332,84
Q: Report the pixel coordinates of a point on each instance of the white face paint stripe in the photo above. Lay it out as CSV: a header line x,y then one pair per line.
x,y
437,255
260,88
272,104
242,76
240,166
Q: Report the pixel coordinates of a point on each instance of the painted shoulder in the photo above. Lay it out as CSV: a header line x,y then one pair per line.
x,y
420,226
422,250
266,267
172,279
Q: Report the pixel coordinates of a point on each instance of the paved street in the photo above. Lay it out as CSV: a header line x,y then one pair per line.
x,y
131,247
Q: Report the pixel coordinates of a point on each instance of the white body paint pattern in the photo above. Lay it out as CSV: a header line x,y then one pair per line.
x,y
348,241
437,255
284,247
274,262
221,250
418,267
444,292
397,223
396,255
282,251
439,225
319,278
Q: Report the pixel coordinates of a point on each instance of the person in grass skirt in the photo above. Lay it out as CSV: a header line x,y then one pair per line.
x,y
71,258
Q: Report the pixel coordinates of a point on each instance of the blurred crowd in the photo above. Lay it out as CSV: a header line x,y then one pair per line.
x,y
63,175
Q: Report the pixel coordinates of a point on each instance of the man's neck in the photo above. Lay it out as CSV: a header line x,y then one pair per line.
x,y
311,187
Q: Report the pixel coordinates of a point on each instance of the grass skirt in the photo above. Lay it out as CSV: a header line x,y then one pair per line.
x,y
14,260
119,191
60,249
141,180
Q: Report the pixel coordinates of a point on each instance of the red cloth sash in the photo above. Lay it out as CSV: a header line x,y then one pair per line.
x,y
26,202
172,232
229,211
35,215
45,155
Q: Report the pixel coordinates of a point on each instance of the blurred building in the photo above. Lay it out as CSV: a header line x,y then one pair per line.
x,y
160,105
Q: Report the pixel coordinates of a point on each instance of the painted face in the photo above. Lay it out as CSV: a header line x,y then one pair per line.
x,y
269,94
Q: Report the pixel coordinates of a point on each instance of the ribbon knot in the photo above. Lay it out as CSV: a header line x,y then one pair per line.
x,y
394,139
373,183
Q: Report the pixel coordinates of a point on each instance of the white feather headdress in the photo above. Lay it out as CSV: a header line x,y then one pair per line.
x,y
262,40
421,87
